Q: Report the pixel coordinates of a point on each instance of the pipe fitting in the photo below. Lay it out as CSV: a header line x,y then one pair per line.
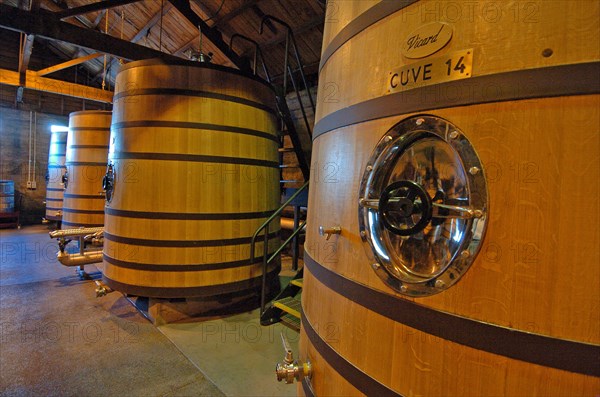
x,y
79,259
84,231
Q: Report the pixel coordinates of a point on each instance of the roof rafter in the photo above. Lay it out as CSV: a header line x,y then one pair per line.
x,y
67,64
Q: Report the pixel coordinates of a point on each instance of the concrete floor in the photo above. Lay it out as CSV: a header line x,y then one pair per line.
x,y
58,339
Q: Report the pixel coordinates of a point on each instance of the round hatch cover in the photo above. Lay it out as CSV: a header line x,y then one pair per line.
x,y
423,206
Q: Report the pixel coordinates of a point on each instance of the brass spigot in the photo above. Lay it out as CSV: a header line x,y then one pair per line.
x,y
102,289
328,231
291,369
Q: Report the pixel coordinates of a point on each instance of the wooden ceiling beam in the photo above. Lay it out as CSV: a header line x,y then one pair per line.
x,y
38,83
24,57
139,35
45,24
67,64
26,50
211,34
229,16
101,5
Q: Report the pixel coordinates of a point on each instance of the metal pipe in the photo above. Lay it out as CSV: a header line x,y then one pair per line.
x,y
79,259
84,231
286,242
263,297
288,224
251,41
257,54
296,240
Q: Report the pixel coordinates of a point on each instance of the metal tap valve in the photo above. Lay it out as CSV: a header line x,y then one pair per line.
x,y
291,369
102,289
328,231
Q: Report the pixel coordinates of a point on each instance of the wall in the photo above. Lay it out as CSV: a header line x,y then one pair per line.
x,y
15,120
15,157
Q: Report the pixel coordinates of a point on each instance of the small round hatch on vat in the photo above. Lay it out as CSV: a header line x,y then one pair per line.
x,y
423,207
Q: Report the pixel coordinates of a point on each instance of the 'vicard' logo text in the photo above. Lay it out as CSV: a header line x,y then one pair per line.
x,y
427,40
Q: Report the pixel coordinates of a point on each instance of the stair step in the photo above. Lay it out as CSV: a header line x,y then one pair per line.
x,y
285,149
289,305
297,282
290,181
291,321
288,166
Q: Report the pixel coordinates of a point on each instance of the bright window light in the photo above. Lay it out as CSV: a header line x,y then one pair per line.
x,y
58,128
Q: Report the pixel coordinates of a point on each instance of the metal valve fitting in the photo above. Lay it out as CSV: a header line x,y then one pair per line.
x,y
328,231
102,289
290,369
295,370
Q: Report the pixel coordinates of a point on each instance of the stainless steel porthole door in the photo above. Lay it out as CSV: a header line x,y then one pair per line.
x,y
423,206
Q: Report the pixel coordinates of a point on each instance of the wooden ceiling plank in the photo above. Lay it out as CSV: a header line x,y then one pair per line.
x,y
98,19
101,5
181,50
316,21
240,10
67,64
151,23
44,24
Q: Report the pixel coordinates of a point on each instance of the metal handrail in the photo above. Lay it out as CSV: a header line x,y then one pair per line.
x,y
257,54
266,259
288,70
290,34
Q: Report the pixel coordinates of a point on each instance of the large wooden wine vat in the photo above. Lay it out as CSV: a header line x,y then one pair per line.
x,y
55,187
192,173
87,151
505,95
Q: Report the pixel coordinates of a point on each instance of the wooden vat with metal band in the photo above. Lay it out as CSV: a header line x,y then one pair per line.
x,y
55,187
193,172
87,151
510,306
